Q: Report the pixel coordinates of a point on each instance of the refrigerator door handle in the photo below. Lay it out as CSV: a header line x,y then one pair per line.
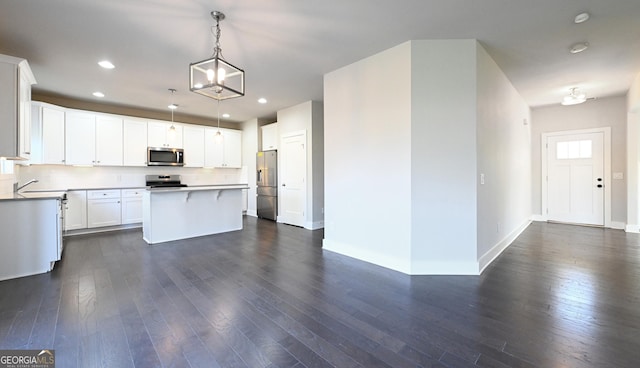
x,y
259,176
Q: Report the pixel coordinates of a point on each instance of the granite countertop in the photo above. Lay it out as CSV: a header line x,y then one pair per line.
x,y
199,188
33,195
61,193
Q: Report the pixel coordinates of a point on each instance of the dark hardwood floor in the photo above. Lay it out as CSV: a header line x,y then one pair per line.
x,y
268,296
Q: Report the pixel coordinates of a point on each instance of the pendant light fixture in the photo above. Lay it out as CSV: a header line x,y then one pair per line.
x,y
574,97
218,136
215,77
172,107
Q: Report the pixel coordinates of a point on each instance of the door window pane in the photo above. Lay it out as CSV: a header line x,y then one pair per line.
x,y
573,150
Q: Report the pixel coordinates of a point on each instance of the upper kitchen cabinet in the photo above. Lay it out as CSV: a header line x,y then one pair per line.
x,y
193,139
135,142
164,134
47,134
269,137
93,139
16,79
225,152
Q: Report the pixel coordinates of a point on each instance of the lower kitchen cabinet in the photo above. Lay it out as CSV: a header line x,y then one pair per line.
x,y
103,208
75,211
132,206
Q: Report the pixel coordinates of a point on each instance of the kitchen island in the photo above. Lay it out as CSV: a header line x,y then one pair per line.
x,y
31,230
186,212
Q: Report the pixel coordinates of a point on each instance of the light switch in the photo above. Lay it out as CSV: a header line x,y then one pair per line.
x,y
618,176
482,179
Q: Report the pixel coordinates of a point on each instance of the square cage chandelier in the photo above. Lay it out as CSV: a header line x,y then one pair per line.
x,y
215,77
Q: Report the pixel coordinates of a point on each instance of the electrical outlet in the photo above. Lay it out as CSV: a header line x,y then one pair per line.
x,y
618,175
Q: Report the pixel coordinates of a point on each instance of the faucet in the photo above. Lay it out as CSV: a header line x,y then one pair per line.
x,y
16,188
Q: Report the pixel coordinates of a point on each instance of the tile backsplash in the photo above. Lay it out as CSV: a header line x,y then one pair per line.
x,y
58,177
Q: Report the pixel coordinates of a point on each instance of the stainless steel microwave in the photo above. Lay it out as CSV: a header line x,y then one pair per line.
x,y
162,156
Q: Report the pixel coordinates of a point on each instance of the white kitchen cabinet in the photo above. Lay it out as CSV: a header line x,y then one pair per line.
x,y
160,134
223,153
75,211
108,140
193,139
47,134
103,208
92,139
134,134
269,137
80,132
52,136
15,107
132,206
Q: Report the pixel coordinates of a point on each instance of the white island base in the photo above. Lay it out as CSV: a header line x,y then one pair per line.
x,y
180,213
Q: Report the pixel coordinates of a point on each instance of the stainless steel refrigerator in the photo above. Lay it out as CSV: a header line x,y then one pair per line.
x,y
267,180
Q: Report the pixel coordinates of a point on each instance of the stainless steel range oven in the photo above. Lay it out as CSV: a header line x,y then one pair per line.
x,y
163,181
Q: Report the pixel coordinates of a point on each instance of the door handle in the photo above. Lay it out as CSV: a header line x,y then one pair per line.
x,y
599,185
284,185
599,179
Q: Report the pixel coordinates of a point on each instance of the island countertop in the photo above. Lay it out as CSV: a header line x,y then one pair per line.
x,y
33,195
199,187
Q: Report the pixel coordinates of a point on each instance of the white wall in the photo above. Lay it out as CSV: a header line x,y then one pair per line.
x,y
605,112
443,157
633,156
60,177
367,158
8,178
317,165
504,157
401,166
308,117
250,132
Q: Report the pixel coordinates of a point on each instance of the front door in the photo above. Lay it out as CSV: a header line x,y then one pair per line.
x,y
575,178
293,186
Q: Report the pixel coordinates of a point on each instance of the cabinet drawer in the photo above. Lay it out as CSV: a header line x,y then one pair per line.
x,y
103,194
133,193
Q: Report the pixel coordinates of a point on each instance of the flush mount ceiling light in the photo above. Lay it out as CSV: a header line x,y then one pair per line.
x,y
262,100
106,64
574,97
581,18
98,94
215,77
579,47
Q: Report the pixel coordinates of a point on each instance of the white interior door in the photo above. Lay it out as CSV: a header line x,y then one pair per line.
x,y
293,175
575,178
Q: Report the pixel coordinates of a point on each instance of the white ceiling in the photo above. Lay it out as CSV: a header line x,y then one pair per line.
x,y
286,46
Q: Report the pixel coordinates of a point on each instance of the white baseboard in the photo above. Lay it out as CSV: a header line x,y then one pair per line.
x,y
459,268
539,218
618,225
632,228
404,265
252,213
314,225
493,253
383,260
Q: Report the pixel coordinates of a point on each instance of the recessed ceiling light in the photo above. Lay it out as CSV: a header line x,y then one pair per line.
x,y
173,106
581,18
98,94
106,64
226,116
579,47
262,100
